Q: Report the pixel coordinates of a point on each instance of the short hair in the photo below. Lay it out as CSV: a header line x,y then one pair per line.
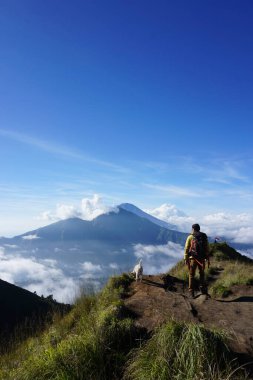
x,y
196,227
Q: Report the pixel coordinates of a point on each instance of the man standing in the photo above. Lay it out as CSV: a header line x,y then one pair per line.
x,y
195,254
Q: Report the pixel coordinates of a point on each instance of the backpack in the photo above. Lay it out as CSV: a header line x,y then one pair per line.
x,y
198,246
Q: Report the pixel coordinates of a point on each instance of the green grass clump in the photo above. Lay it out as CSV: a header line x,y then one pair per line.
x,y
235,273
180,270
123,281
222,251
178,351
91,342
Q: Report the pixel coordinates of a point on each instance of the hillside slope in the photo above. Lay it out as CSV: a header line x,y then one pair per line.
x,y
149,330
24,310
229,305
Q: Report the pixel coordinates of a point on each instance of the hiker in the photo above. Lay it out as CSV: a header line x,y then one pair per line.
x,y
195,255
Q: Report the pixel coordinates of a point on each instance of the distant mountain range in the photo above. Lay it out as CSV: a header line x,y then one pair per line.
x,y
122,227
95,249
84,250
110,237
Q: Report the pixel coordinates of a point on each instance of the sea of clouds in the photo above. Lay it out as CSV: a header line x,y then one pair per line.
x,y
158,258
46,276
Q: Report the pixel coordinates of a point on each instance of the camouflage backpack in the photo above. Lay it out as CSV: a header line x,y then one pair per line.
x,y
198,246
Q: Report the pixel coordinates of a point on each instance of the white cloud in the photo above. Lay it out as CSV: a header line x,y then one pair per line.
x,y
1,252
61,212
30,237
12,246
237,227
170,249
91,268
42,276
158,258
89,209
56,149
114,266
244,235
171,214
167,210
176,191
248,252
64,289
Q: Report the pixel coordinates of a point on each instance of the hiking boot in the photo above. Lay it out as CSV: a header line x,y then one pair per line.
x,y
203,290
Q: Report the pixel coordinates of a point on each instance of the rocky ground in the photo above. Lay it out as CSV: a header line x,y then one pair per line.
x,y
158,298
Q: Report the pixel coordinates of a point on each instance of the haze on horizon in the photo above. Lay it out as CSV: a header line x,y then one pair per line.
x,y
136,102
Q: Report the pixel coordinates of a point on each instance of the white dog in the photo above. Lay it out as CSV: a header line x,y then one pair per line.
x,y
138,271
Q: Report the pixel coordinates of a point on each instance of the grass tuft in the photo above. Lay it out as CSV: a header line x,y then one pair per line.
x,y
235,273
179,351
91,342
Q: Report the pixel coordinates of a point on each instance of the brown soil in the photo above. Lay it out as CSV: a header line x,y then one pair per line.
x,y
159,298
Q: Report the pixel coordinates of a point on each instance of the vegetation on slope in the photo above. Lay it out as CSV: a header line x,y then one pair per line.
x,y
91,342
24,313
99,340
180,351
228,267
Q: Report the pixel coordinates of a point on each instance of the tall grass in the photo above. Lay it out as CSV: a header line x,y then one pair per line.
x,y
178,351
91,342
180,270
235,273
97,340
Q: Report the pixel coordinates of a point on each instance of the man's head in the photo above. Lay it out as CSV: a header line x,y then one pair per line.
x,y
196,227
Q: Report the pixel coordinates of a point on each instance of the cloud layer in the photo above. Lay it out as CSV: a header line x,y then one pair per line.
x,y
43,276
46,276
158,258
89,209
236,227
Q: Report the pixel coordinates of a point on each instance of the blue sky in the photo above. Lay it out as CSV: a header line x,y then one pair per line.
x,y
140,102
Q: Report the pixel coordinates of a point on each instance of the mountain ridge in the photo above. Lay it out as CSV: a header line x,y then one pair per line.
x,y
105,227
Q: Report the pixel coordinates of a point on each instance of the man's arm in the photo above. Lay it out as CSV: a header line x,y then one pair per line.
x,y
187,248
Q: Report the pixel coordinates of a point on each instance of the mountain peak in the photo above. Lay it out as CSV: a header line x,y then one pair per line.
x,y
136,210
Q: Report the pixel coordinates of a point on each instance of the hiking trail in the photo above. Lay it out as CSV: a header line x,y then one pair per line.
x,y
161,297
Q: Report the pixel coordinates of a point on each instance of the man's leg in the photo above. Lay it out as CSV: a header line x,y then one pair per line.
x,y
202,284
192,271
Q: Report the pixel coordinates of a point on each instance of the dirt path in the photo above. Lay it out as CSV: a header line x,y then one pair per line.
x,y
157,299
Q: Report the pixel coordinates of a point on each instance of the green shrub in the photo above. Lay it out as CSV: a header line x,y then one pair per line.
x,y
120,282
221,290
180,270
235,273
178,351
222,251
91,342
